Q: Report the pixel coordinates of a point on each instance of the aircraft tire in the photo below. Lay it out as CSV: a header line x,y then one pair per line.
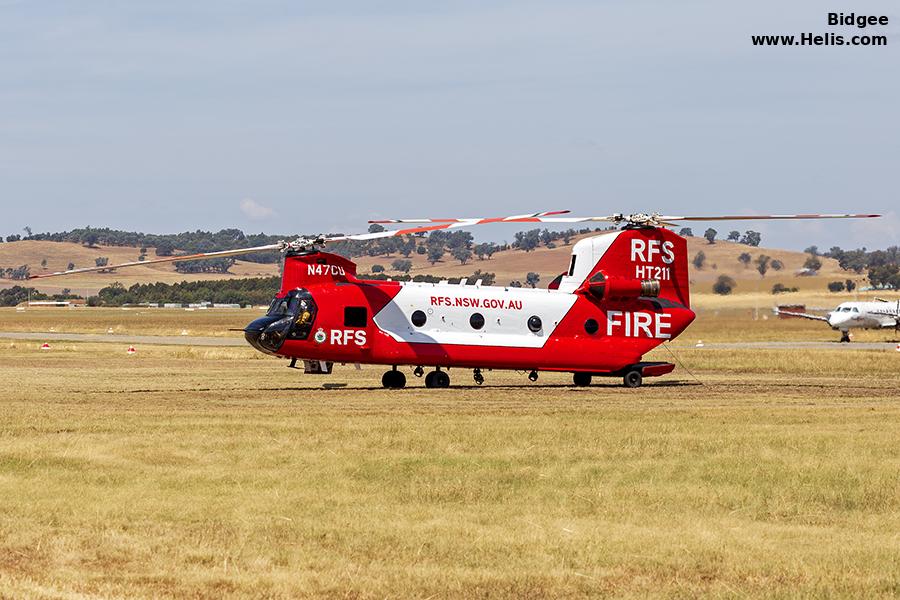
x,y
581,379
437,379
393,380
633,379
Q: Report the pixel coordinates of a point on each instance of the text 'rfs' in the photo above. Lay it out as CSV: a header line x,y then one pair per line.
x,y
645,250
344,337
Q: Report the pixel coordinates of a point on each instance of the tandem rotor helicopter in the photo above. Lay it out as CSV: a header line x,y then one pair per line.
x,y
624,293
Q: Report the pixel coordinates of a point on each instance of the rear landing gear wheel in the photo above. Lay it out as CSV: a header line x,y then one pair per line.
x,y
633,379
437,379
581,379
477,376
393,379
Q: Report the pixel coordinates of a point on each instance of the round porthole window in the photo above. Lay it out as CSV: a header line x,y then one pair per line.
x,y
591,326
476,321
418,318
534,323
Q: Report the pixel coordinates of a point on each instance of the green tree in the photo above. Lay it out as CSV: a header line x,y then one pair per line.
x,y
699,259
435,253
89,239
745,259
836,286
734,236
710,235
532,279
812,263
724,285
762,264
751,238
461,253
777,265
377,268
402,265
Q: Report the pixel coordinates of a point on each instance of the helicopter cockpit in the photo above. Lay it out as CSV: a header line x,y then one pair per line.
x,y
290,317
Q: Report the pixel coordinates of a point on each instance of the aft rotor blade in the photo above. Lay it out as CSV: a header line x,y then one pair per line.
x,y
764,217
166,259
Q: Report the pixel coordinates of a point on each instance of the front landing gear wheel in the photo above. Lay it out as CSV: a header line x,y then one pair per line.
x,y
437,379
393,379
581,379
845,337
477,376
633,379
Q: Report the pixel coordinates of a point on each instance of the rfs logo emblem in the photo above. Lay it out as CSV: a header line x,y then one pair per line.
x,y
320,336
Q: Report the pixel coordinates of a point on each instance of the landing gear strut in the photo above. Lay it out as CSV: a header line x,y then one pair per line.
x,y
393,379
477,376
437,379
533,376
845,336
418,371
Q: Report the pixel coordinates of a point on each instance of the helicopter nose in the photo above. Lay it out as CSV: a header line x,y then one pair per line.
x,y
266,333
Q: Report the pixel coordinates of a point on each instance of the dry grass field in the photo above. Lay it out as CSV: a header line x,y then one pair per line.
x,y
218,472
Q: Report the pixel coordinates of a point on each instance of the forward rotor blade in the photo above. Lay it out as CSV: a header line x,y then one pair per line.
x,y
531,217
167,259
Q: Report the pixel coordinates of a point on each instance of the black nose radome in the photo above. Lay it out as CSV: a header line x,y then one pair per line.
x,y
266,334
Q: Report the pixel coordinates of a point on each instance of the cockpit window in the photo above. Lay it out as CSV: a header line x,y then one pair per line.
x,y
279,307
854,309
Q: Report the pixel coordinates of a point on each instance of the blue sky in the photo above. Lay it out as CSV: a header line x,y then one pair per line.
x,y
316,116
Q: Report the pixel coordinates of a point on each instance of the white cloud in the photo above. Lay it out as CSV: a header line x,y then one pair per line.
x,y
254,210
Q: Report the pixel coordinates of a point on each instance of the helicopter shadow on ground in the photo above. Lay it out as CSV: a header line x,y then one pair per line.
x,y
558,386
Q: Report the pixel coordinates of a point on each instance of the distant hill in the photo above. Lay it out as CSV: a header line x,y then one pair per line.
x,y
60,254
507,265
721,259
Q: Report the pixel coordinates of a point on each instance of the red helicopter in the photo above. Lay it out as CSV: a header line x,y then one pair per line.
x,y
625,292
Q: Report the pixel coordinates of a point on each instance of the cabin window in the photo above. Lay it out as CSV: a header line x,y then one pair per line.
x,y
355,316
591,326
534,323
418,318
476,321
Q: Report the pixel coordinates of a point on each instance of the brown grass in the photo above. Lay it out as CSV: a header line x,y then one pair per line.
x,y
220,473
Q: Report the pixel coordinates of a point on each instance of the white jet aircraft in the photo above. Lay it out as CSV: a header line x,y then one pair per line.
x,y
856,315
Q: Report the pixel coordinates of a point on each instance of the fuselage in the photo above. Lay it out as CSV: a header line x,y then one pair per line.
x,y
866,315
325,313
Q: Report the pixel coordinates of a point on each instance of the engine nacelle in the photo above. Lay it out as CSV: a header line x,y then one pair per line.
x,y
621,288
